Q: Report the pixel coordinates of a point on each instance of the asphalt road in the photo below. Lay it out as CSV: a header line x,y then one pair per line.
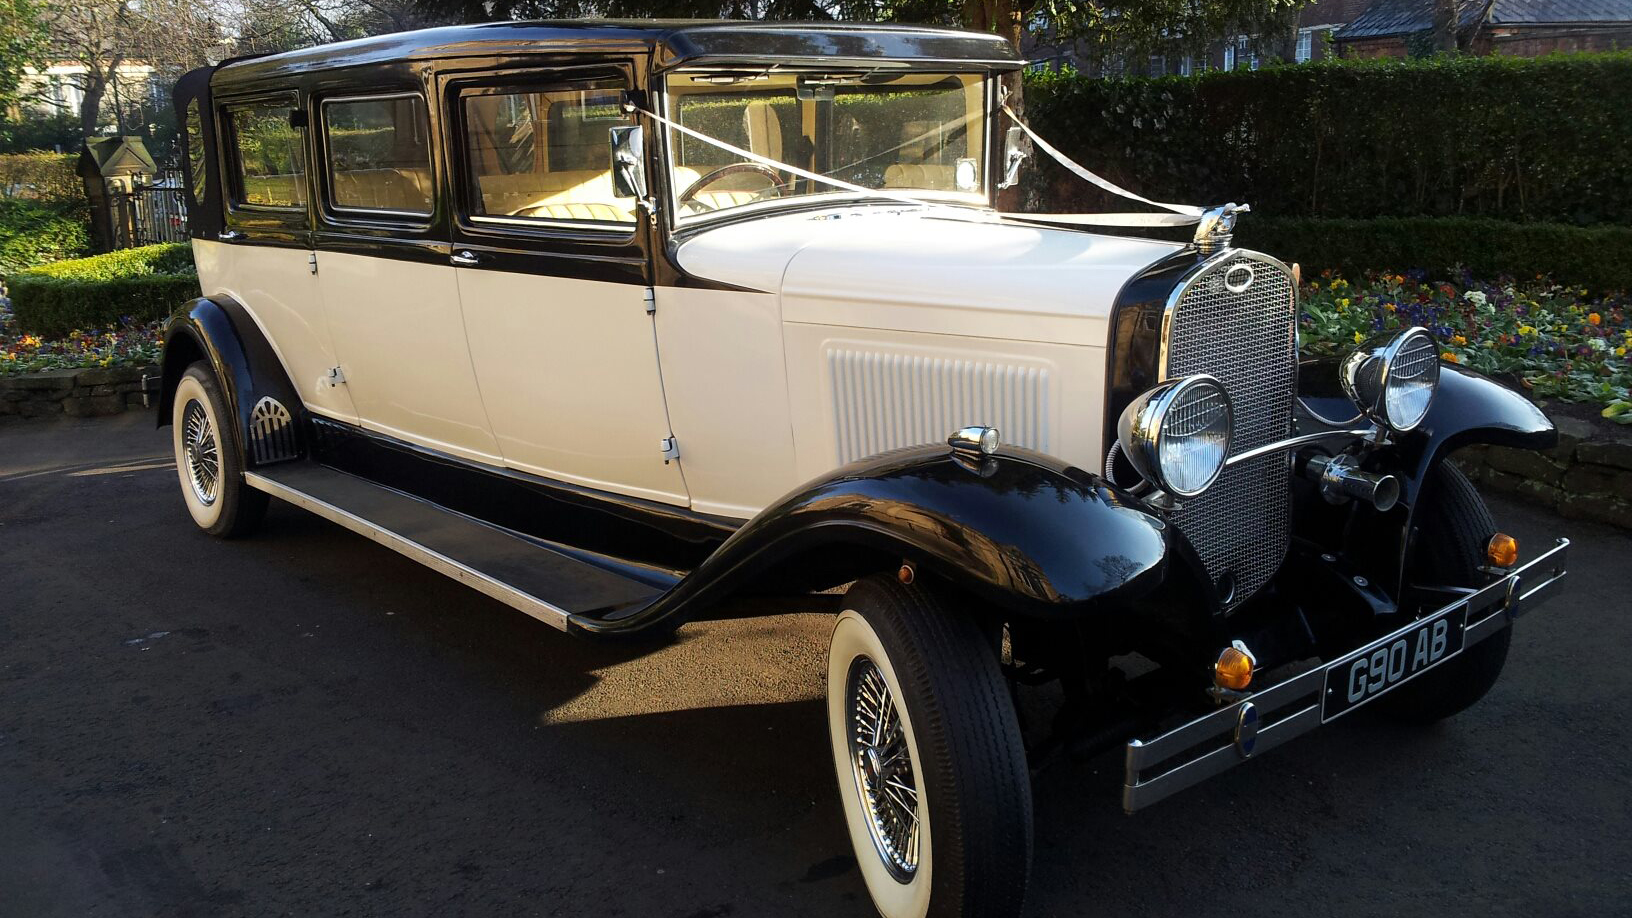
x,y
304,723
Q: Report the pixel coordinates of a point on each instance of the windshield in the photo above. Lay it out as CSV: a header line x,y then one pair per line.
x,y
919,134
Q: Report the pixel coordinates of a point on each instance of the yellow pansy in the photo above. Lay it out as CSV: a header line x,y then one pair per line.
x,y
1358,337
1448,357
1527,329
1458,339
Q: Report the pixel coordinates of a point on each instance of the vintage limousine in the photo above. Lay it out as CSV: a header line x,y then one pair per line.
x,y
610,321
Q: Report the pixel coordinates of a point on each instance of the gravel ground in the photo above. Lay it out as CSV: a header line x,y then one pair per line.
x,y
304,723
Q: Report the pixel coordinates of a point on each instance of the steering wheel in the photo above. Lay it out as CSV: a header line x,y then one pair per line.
x,y
770,175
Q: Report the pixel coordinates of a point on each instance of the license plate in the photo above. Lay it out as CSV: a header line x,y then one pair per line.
x,y
1379,667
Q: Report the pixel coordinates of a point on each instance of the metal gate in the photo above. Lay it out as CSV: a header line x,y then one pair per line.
x,y
149,214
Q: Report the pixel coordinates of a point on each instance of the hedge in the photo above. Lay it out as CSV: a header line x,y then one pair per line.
x,y
32,233
1531,139
1598,257
104,291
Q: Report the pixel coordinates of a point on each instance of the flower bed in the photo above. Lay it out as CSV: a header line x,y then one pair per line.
x,y
1553,340
133,345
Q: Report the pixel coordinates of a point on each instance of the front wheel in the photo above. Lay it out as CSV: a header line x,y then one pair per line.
x,y
932,773
1450,550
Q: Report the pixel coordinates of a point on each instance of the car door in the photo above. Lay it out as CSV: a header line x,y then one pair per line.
x,y
262,257
553,271
383,273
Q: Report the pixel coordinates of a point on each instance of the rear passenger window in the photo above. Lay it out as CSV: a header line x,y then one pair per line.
x,y
379,157
270,155
545,155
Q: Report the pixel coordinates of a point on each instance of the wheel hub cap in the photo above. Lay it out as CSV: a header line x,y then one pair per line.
x,y
882,763
200,453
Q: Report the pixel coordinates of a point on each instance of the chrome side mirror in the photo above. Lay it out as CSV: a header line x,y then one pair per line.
x,y
629,162
1014,153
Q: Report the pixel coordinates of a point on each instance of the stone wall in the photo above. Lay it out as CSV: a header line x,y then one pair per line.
x,y
1587,476
76,393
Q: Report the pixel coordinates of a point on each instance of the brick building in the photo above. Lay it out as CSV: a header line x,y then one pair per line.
x,y
1310,39
1522,28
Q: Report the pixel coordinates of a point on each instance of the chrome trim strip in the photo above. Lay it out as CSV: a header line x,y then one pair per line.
x,y
436,561
1505,598
1293,442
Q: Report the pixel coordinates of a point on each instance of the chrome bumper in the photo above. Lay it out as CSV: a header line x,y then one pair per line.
x,y
1160,767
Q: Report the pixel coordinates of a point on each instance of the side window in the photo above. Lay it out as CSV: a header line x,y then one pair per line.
x,y
269,155
196,169
544,155
379,156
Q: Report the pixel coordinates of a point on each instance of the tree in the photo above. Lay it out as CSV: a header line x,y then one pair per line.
x,y
23,40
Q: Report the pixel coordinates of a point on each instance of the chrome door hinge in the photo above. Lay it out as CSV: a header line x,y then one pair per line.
x,y
651,300
311,259
670,448
334,377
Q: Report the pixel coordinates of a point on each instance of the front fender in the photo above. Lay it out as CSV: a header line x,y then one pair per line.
x,y
1469,407
219,330
1020,530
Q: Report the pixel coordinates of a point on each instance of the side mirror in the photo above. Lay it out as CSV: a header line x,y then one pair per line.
x,y
1014,153
629,162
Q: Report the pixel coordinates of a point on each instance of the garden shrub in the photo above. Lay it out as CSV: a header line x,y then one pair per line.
x,y
118,288
1531,139
32,233
40,176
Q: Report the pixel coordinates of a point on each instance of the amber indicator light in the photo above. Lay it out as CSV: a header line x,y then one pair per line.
x,y
1233,669
1503,550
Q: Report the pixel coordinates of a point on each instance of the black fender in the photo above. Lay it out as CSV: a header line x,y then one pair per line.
x,y
1468,407
1023,531
218,329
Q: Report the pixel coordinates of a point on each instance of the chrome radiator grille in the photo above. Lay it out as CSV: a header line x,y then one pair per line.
x,y
1241,525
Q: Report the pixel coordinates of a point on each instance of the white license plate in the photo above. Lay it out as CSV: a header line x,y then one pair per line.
x,y
1382,665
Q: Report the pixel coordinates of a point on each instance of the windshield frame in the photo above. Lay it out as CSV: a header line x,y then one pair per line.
x,y
679,219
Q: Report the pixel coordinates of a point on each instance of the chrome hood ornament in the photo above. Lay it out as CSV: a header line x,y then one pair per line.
x,y
1217,226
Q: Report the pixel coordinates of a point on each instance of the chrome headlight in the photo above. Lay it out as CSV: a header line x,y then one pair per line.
x,y
1393,379
1177,435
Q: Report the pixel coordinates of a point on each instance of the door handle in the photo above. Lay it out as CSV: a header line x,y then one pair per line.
x,y
465,258
229,236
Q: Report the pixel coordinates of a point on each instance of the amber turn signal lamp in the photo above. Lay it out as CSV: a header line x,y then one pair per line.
x,y
1234,668
1503,550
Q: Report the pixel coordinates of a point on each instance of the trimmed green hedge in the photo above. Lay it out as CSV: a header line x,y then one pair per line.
x,y
32,233
1532,139
104,291
1599,257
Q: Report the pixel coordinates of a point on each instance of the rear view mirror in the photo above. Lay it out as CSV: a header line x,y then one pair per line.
x,y
629,162
1014,153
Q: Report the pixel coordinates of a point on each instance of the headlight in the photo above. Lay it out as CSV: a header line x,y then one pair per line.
x,y
1177,435
1393,379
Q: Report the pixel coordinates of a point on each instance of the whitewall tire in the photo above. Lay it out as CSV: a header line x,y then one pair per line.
x,y
932,774
208,465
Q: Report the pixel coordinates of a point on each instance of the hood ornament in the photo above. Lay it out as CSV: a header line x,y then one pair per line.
x,y
1217,226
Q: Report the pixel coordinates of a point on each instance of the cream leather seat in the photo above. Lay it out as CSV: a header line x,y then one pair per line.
x,y
912,175
584,194
384,189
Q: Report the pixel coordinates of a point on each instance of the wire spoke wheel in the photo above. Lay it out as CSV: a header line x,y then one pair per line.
x,y
882,766
201,452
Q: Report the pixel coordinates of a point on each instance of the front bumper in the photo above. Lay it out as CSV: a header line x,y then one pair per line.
x,y
1164,765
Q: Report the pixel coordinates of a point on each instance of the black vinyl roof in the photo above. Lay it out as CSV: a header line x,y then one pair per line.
x,y
672,43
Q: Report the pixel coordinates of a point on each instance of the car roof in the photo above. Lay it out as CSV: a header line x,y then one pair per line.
x,y
673,43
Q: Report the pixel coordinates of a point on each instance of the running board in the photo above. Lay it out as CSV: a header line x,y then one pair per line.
x,y
546,582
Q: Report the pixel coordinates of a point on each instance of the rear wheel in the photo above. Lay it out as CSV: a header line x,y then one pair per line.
x,y
931,770
1451,543
207,459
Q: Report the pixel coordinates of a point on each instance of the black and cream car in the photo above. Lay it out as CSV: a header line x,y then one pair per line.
x,y
611,321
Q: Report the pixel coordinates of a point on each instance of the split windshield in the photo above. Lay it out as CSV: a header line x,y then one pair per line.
x,y
919,134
